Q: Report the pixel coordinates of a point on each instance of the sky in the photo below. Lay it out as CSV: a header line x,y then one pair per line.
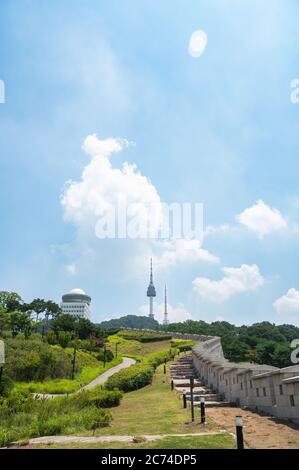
x,y
177,101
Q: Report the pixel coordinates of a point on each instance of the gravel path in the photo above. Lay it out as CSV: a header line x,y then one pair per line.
x,y
260,432
127,362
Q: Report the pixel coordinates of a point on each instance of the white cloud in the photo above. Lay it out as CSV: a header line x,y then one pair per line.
x,y
175,314
246,278
262,219
197,43
71,269
184,251
288,305
102,188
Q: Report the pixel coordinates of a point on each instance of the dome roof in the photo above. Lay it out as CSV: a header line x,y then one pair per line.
x,y
77,290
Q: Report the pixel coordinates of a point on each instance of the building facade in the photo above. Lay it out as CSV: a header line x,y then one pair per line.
x,y
76,302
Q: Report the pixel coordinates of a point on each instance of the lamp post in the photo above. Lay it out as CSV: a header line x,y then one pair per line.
x,y
116,344
202,410
191,398
239,432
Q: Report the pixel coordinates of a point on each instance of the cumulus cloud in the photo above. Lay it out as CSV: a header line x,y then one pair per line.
x,y
175,314
197,43
262,219
288,305
103,188
184,251
246,278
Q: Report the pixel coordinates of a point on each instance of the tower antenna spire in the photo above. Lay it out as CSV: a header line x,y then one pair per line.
x,y
165,320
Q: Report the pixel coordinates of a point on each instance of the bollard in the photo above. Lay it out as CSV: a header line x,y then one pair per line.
x,y
202,410
184,400
164,368
172,385
239,432
191,398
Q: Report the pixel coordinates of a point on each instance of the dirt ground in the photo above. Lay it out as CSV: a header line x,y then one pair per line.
x,y
260,432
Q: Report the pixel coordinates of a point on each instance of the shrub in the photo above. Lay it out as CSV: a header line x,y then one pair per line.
x,y
134,377
154,360
98,397
6,384
4,437
182,344
109,356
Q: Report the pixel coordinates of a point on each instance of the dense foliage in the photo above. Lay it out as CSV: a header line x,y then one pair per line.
x,y
262,343
130,321
34,359
22,416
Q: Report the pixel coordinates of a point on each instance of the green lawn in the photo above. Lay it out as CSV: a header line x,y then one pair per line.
x,y
154,409
136,349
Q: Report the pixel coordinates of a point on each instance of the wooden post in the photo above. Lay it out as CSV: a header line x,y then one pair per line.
x,y
202,410
184,400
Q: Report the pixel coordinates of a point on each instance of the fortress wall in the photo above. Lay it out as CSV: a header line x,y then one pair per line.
x,y
261,387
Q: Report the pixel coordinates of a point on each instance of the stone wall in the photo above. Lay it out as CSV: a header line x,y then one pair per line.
x,y
261,387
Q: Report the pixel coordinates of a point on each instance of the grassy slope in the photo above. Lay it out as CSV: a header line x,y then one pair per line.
x,y
155,410
86,375
152,410
135,349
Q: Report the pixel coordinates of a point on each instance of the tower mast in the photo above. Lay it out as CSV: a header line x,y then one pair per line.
x,y
165,320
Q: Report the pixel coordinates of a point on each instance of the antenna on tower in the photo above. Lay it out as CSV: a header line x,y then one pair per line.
x,y
165,320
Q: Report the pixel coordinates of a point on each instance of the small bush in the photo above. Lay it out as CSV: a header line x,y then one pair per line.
x,y
108,355
133,378
4,437
182,344
98,397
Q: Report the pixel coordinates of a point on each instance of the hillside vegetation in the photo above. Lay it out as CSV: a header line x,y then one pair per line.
x,y
261,343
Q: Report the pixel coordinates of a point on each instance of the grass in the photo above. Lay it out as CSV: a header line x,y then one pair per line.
x,y
217,441
86,375
136,349
154,409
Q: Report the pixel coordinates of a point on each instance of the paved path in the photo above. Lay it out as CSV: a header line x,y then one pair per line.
x,y
127,362
123,438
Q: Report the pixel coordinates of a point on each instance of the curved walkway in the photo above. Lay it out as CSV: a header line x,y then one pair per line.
x,y
127,362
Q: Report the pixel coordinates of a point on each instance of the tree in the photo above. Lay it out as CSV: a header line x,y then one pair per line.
x,y
265,351
19,322
10,301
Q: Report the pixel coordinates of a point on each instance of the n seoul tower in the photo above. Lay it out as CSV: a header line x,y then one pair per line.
x,y
151,293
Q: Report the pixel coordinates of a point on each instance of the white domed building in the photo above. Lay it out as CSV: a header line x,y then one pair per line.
x,y
76,302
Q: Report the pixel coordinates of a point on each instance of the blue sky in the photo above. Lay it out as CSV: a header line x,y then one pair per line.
x,y
218,129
